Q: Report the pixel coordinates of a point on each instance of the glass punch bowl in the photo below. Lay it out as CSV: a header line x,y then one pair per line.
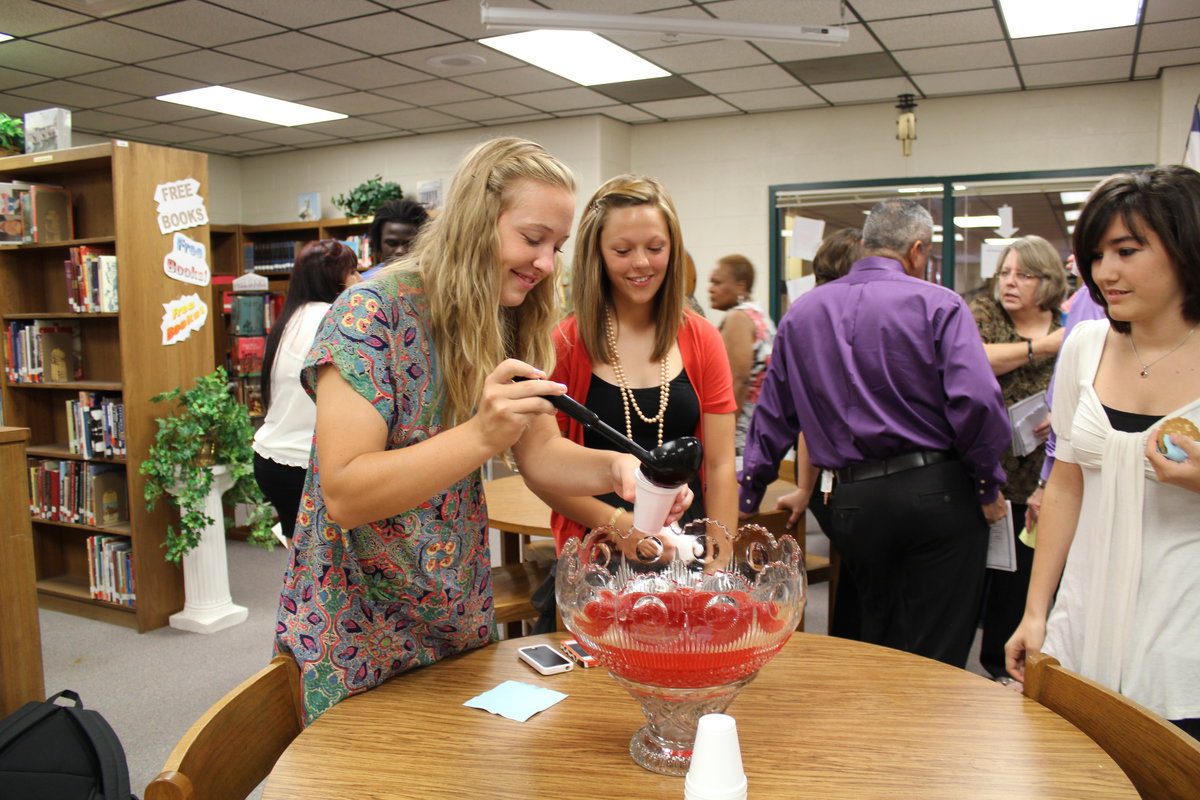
x,y
682,619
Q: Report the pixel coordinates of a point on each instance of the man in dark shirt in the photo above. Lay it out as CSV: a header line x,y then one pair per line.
x,y
885,375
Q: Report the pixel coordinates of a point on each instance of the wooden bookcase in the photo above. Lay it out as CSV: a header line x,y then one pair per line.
x,y
112,186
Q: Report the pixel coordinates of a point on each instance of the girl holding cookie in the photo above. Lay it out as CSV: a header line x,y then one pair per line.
x,y
1120,524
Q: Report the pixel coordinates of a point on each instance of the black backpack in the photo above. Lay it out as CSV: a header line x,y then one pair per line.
x,y
61,752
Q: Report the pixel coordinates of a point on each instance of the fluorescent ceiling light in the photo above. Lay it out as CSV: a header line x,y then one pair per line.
x,y
1038,18
1070,229
1072,214
992,221
937,237
577,56
1072,198
4,37
920,189
251,106
644,23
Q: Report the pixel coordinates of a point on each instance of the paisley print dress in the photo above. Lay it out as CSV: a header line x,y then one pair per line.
x,y
359,606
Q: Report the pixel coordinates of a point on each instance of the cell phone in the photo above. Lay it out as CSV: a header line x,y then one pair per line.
x,y
544,658
576,653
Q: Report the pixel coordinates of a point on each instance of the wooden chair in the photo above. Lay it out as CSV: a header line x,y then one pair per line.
x,y
232,748
1161,761
512,587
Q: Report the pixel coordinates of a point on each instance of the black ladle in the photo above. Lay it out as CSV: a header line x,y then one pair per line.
x,y
670,464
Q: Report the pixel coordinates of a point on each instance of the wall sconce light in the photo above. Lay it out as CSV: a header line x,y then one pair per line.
x,y
906,123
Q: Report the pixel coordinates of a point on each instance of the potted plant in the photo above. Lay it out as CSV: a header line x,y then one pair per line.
x,y
12,135
368,196
208,427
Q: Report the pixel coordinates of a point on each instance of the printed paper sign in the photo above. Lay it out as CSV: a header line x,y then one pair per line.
x,y
181,317
806,237
429,194
180,205
187,262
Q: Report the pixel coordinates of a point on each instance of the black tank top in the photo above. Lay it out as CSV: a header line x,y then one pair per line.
x,y
1128,422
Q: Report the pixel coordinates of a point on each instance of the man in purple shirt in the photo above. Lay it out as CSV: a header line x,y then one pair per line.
x,y
885,375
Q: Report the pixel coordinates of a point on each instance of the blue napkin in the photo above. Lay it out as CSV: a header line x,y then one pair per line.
x,y
516,700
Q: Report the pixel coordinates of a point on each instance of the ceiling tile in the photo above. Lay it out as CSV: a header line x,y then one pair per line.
x,y
535,117
889,9
358,103
165,132
464,19
432,93
476,110
1171,35
15,77
936,29
138,80
844,68
388,32
46,60
563,99
1163,10
492,59
348,127
200,23
779,12
367,73
295,135
866,91
1068,72
627,114
287,86
88,120
521,79
113,41
768,76
968,81
300,13
774,99
226,144
689,107
650,90
211,67
25,18
942,59
860,41
291,51
1148,64
614,6
17,106
414,119
225,123
721,54
1070,46
73,95
156,110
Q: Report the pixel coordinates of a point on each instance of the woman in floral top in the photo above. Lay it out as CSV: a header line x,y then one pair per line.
x,y
412,373
1021,335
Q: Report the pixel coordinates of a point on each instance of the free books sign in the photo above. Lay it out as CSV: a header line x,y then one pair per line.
x,y
180,205
181,317
187,262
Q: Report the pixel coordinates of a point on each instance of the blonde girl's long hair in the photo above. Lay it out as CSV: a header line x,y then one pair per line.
x,y
457,255
591,289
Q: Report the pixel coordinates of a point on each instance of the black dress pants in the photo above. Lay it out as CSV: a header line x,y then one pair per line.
x,y
916,544
283,486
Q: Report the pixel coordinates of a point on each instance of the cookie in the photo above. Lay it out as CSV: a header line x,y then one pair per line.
x,y
1176,428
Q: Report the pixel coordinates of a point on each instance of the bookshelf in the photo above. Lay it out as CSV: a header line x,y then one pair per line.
x,y
112,187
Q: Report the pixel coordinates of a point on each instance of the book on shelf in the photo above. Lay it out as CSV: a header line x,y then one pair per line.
x,y
77,492
246,355
12,225
47,129
61,350
91,277
248,315
96,425
110,569
53,220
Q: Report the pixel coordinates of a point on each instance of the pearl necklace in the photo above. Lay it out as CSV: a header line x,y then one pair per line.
x,y
627,398
1146,367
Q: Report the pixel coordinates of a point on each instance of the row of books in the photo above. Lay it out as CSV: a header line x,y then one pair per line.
x,y
77,492
252,313
35,212
110,569
277,257
96,425
91,274
43,351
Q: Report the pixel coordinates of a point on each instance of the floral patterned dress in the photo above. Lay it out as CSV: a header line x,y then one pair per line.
x,y
359,606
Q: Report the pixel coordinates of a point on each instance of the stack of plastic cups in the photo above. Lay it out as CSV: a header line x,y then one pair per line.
x,y
716,769
652,503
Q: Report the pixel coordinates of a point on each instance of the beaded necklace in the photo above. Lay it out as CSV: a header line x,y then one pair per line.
x,y
627,398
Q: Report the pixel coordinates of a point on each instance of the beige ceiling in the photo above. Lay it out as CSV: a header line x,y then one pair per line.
x,y
408,67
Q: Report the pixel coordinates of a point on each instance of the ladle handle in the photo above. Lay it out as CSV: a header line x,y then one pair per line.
x,y
588,419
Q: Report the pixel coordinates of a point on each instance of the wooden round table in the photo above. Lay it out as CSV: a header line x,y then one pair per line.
x,y
828,718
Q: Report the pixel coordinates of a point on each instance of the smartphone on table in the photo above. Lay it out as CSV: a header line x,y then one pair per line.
x,y
576,653
544,658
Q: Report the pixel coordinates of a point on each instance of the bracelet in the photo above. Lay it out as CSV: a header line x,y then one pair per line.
x,y
612,521
1030,343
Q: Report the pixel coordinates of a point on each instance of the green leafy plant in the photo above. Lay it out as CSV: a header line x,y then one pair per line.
x,y
208,426
368,196
12,134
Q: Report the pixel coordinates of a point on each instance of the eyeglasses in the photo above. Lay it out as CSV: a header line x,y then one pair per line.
x,y
1023,277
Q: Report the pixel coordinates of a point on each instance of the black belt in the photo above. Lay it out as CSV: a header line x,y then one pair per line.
x,y
890,466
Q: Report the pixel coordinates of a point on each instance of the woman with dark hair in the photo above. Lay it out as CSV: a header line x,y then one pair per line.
x,y
282,444
1120,523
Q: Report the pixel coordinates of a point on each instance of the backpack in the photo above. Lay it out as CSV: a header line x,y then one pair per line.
x,y
61,752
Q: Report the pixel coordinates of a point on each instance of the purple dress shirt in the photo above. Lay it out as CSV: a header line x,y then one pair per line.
x,y
873,365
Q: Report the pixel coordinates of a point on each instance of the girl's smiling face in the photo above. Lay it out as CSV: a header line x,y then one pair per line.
x,y
636,247
1135,273
532,229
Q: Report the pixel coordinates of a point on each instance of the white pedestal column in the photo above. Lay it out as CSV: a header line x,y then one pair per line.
x,y
208,606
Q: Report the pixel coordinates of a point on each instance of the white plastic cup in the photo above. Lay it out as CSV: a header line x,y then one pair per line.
x,y
716,769
652,504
